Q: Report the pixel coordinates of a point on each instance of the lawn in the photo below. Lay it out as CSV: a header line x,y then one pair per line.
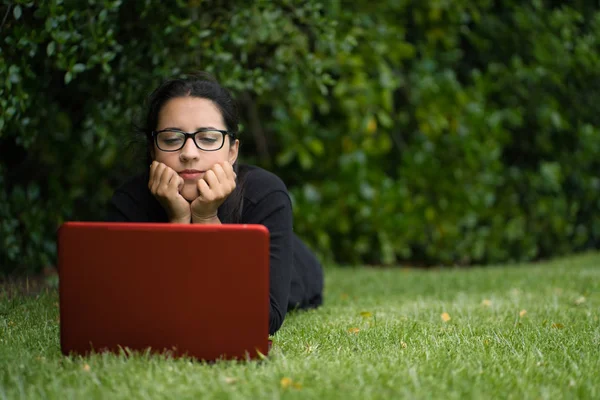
x,y
519,331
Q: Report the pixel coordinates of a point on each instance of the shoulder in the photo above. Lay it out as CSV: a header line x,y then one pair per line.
x,y
259,183
134,192
135,187
135,202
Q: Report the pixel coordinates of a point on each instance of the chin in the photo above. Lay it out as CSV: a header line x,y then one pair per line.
x,y
189,192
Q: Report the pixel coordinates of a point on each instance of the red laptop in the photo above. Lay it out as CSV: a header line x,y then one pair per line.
x,y
195,290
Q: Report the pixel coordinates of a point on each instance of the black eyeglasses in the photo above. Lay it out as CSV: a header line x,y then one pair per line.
x,y
206,139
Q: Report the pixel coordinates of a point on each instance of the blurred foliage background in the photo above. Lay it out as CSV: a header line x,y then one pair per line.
x,y
421,132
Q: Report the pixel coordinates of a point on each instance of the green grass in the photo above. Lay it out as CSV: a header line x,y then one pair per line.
x,y
380,335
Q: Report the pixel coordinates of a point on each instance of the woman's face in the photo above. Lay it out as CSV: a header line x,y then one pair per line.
x,y
189,114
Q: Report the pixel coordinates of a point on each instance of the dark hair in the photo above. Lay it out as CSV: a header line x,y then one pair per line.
x,y
205,86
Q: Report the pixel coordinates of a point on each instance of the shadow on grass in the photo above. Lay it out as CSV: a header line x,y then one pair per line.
x,y
29,285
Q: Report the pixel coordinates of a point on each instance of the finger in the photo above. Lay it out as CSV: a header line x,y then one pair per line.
x,y
152,172
228,168
167,175
156,171
211,178
160,169
205,191
223,184
220,173
170,182
231,176
175,182
229,182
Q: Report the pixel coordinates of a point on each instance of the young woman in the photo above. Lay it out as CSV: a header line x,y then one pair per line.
x,y
191,129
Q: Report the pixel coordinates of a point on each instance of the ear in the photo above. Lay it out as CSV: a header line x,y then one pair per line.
x,y
233,151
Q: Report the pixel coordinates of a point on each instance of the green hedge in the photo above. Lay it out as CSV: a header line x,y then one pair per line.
x,y
423,132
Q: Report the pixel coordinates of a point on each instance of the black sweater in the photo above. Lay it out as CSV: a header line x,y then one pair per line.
x,y
296,277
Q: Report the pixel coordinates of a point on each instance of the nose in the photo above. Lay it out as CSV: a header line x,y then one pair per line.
x,y
189,151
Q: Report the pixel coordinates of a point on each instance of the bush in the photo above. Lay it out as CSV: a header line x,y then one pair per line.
x,y
422,132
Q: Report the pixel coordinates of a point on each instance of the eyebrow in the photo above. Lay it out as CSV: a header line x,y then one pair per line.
x,y
197,129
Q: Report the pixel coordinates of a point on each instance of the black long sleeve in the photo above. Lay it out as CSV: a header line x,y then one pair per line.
x,y
295,275
275,212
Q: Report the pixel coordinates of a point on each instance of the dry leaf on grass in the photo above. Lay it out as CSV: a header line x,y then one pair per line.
x,y
86,367
230,380
353,330
522,313
486,302
287,383
403,345
557,325
445,317
579,301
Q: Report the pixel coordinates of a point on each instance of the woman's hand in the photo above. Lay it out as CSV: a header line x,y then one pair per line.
x,y
213,189
165,185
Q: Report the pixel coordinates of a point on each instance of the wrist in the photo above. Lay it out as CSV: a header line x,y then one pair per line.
x,y
211,219
184,220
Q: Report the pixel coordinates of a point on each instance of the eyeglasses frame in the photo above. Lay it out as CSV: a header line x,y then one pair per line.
x,y
192,136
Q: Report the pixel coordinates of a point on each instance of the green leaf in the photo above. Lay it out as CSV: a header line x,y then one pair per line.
x,y
78,68
17,12
285,157
316,146
306,160
385,119
50,48
33,192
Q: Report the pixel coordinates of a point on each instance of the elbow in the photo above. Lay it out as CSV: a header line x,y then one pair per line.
x,y
276,317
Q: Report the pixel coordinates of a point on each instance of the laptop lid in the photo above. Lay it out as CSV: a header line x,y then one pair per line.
x,y
196,290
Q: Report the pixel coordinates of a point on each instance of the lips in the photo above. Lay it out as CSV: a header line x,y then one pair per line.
x,y
190,174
